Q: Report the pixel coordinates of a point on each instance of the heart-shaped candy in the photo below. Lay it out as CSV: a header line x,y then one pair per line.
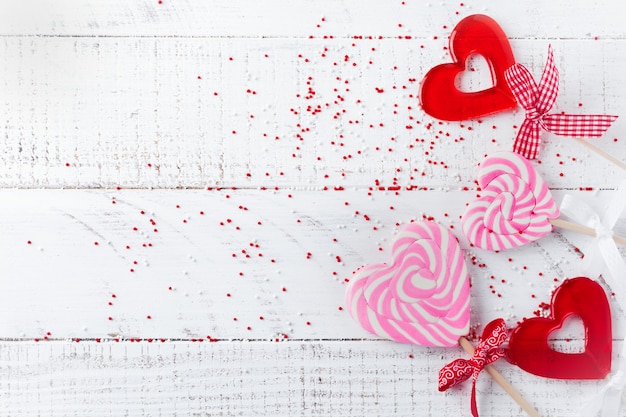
x,y
515,205
528,343
422,296
440,97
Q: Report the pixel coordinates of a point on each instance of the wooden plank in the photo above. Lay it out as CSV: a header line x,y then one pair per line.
x,y
100,95
132,112
250,18
277,379
191,264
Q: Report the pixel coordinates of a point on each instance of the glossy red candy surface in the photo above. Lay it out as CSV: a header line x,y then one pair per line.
x,y
440,96
529,347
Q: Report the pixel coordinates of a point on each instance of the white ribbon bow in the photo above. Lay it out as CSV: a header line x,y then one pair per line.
x,y
607,402
604,251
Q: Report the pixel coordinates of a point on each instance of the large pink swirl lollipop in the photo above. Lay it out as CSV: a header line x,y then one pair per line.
x,y
422,296
515,206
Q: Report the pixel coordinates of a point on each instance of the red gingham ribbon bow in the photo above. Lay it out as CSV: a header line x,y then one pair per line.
x,y
488,351
538,100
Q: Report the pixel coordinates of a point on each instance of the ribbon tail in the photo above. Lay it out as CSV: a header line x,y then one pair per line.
x,y
578,125
611,402
473,405
606,403
527,140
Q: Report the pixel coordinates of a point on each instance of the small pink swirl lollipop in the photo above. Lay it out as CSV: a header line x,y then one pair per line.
x,y
515,206
422,296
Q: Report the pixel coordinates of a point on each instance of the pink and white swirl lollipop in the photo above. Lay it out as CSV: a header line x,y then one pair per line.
x,y
422,296
515,206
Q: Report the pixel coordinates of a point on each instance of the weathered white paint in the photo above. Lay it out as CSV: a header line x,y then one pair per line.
x,y
62,281
299,19
259,378
100,95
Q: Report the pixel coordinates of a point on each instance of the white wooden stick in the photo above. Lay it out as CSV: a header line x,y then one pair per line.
x,y
575,227
602,153
500,380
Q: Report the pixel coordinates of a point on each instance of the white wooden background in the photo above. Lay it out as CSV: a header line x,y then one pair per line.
x,y
186,184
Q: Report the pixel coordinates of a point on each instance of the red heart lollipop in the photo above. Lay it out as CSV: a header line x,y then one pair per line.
x,y
439,97
528,343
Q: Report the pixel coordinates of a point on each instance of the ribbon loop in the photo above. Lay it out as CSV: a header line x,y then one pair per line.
x,y
488,351
549,84
454,373
538,100
523,86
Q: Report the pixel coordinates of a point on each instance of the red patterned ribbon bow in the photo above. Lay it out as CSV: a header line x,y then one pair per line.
x,y
538,100
488,351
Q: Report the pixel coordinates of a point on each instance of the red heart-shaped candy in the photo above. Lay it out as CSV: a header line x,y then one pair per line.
x,y
439,97
528,343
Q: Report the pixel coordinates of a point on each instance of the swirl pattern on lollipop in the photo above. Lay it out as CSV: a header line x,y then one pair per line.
x,y
515,205
422,296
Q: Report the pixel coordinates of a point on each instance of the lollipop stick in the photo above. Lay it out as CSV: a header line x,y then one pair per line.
x,y
601,153
497,376
575,227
